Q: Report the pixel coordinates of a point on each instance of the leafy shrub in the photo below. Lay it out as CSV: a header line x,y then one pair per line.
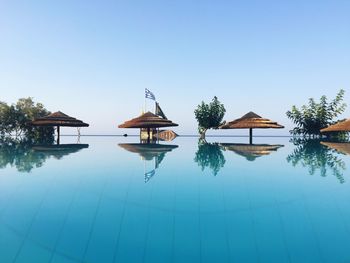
x,y
314,116
209,116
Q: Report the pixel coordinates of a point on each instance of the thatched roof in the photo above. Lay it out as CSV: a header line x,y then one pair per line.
x,y
60,150
147,120
343,126
59,119
147,151
251,151
251,120
342,147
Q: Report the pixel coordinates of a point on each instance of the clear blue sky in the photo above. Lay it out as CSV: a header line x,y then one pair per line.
x,y
93,59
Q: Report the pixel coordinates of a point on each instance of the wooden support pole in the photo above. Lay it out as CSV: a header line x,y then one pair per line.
x,y
250,136
58,134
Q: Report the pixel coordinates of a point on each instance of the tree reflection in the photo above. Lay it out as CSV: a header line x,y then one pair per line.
x,y
25,157
209,155
21,156
316,157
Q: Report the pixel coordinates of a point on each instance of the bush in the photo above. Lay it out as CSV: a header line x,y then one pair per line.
x,y
314,116
209,116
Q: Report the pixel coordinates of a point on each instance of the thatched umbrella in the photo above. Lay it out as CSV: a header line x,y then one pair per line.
x,y
58,119
251,151
343,126
342,147
148,121
251,121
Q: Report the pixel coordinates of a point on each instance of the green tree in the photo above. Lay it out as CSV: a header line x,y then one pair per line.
x,y
5,119
314,116
209,116
15,121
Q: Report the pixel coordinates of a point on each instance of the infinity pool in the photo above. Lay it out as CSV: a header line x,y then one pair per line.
x,y
110,199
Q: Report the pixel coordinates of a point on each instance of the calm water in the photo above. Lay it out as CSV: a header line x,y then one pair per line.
x,y
112,200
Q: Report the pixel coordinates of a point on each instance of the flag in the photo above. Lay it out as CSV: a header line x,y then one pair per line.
x,y
159,111
159,159
149,95
149,175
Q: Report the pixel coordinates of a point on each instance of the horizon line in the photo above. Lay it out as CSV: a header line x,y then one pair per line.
x,y
185,135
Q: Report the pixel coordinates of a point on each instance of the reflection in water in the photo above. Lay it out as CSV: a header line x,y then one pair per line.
x,y
148,152
251,151
341,147
26,157
59,150
209,155
315,156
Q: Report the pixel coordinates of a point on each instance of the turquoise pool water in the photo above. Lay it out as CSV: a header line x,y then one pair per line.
x,y
110,199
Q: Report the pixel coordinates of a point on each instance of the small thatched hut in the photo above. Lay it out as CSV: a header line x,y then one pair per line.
x,y
148,121
251,121
343,126
58,119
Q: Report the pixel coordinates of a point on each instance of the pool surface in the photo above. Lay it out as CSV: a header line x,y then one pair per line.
x,y
111,199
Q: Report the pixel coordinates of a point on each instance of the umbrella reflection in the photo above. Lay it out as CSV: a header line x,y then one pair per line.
x,y
251,151
148,152
341,147
59,150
